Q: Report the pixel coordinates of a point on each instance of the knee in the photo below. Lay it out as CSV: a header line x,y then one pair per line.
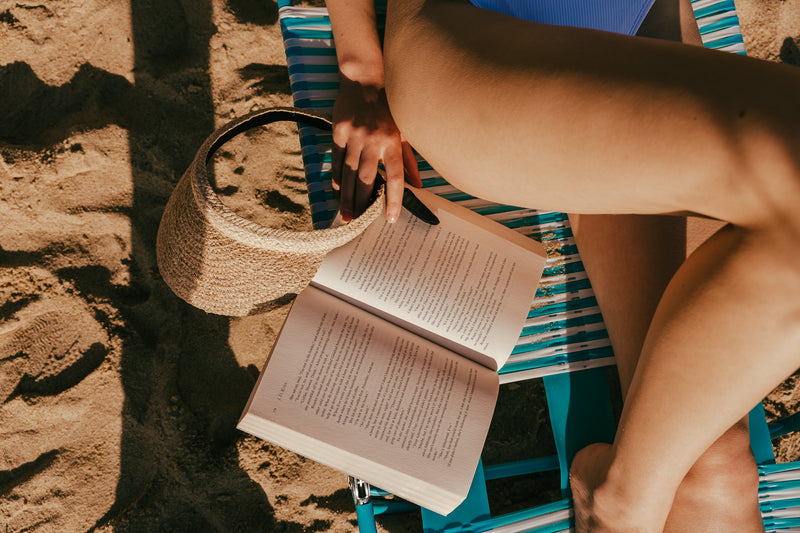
x,y
728,464
719,493
767,188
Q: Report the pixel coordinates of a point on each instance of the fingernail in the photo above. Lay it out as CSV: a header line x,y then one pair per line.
x,y
347,216
391,216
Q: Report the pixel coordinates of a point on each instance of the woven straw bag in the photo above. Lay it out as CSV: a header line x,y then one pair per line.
x,y
228,265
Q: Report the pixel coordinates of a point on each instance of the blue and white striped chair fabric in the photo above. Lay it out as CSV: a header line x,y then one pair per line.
x,y
779,484
564,331
779,496
719,25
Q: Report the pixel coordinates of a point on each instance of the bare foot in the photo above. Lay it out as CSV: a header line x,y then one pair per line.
x,y
586,473
600,506
719,494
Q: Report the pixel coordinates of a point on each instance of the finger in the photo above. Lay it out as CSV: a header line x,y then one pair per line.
x,y
410,165
367,170
393,161
349,178
337,156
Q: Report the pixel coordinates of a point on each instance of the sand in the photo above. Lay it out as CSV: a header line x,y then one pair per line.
x,y
118,401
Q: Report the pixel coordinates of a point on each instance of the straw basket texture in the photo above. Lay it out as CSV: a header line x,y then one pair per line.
x,y
228,265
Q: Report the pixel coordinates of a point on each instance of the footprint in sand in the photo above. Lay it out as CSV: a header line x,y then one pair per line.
x,y
50,351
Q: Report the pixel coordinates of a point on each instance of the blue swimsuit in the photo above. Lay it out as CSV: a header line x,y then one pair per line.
x,y
619,16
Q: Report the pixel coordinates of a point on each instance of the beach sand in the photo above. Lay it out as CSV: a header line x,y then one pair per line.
x,y
117,400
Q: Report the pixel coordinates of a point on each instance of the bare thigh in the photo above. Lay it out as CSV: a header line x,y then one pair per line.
x,y
631,258
634,127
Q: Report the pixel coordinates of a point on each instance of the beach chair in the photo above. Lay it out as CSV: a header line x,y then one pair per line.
x,y
564,341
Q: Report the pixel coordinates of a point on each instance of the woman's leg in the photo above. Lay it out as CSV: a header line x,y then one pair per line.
x,y
570,129
589,122
706,360
630,259
633,257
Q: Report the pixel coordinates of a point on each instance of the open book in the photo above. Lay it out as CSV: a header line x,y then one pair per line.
x,y
386,365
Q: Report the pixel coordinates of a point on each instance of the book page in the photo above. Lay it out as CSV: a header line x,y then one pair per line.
x,y
341,376
466,283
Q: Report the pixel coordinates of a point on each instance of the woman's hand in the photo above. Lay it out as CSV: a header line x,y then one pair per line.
x,y
364,134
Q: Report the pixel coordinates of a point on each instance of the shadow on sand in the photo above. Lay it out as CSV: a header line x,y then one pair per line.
x,y
179,463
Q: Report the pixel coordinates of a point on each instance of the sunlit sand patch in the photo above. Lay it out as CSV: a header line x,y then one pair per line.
x,y
50,352
55,39
61,404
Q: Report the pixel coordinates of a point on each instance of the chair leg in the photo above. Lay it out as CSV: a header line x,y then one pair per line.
x,y
474,508
364,512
